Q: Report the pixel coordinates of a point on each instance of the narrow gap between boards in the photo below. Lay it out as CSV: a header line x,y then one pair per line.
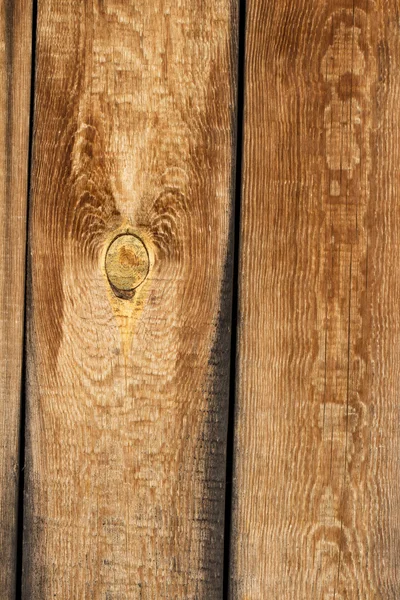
x,y
235,294
22,441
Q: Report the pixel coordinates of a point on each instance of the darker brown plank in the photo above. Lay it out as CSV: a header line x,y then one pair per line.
x,y
316,496
15,67
127,386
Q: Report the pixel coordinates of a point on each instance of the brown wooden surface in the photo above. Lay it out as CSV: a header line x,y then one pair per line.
x,y
316,492
127,394
15,66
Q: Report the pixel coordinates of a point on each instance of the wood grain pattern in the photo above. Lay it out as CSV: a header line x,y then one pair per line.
x,y
317,500
127,397
15,68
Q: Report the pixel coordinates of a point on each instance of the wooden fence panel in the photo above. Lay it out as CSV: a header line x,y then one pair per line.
x,y
317,446
15,69
128,338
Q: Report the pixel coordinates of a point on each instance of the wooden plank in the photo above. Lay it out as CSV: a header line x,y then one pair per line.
x,y
317,500
127,386
15,67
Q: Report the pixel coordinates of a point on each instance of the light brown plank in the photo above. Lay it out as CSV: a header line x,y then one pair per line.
x,y
127,392
15,67
317,457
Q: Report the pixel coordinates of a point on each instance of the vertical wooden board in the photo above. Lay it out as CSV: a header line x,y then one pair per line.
x,y
127,391
317,499
15,67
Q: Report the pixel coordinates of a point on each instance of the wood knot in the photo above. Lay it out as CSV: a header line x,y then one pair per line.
x,y
127,264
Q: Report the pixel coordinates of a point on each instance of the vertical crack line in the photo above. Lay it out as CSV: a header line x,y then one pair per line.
x,y
21,462
240,100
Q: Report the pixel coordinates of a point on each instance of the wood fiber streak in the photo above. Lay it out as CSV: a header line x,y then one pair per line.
x,y
317,450
127,397
15,67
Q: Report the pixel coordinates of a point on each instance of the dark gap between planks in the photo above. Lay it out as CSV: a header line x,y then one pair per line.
x,y
235,293
22,441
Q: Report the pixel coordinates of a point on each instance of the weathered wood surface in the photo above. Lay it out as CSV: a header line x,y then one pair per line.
x,y
316,494
15,66
127,392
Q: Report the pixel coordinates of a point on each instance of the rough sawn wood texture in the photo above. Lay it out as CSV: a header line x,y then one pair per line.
x,y
127,396
317,446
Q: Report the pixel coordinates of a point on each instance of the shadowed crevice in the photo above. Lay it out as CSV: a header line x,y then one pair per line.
x,y
22,441
235,295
